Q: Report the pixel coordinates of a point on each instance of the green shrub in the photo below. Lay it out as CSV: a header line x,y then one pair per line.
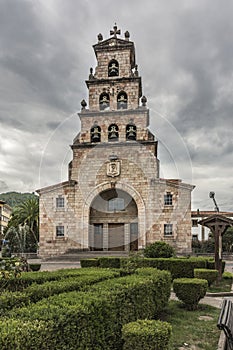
x,y
178,267
130,264
36,292
161,286
16,334
35,267
206,274
190,291
146,335
81,282
93,319
28,278
159,249
211,264
8,300
89,262
227,275
109,262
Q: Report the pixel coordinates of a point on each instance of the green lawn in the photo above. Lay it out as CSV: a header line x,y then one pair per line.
x,y
223,286
193,329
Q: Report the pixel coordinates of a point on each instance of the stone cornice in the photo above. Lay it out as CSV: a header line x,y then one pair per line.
x,y
120,112
70,183
113,144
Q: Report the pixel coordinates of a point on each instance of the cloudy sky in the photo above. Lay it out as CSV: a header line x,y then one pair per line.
x,y
184,51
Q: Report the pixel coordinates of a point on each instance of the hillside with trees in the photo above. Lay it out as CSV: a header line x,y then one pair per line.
x,y
15,198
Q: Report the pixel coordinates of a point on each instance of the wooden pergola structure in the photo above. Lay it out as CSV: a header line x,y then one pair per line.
x,y
218,224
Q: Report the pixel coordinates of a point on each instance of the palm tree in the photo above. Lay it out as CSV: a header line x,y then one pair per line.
x,y
26,215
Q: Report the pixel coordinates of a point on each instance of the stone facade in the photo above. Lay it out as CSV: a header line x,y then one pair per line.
x,y
114,198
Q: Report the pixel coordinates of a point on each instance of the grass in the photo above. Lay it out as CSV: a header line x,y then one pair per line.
x,y
223,286
190,332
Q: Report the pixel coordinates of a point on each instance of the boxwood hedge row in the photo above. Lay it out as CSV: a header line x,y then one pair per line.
x,y
179,267
92,320
36,292
146,334
28,278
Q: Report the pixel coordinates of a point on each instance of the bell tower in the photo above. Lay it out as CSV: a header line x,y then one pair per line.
x,y
114,199
117,110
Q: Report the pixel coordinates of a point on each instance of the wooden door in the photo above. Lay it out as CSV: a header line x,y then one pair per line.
x,y
98,237
116,237
134,236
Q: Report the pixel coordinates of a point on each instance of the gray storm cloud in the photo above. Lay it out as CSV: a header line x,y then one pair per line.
x,y
184,53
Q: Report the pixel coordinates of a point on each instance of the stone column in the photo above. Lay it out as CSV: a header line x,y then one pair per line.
x,y
105,237
127,237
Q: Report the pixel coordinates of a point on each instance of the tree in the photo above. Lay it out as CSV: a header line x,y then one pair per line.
x,y
13,199
227,240
159,249
24,221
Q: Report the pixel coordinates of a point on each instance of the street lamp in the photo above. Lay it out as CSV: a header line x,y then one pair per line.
x,y
212,194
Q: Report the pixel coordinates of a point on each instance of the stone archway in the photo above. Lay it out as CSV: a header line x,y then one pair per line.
x,y
114,218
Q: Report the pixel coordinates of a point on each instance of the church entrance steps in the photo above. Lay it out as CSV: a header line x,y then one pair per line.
x,y
76,256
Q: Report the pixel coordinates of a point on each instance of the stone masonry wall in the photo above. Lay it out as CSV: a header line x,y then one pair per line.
x,y
130,86
103,59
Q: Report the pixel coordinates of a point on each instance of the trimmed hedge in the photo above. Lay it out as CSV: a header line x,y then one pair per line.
x,y
190,291
89,262
34,267
178,267
110,262
36,292
89,320
146,335
206,274
211,265
160,281
28,278
19,335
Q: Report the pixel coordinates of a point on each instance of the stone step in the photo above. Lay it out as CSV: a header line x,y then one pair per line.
x,y
86,255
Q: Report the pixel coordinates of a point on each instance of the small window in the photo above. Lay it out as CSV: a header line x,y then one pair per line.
x,y
96,133
113,132
195,237
113,68
122,100
168,230
116,204
168,199
60,231
60,202
194,223
104,101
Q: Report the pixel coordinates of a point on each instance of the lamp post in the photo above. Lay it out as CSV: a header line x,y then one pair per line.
x,y
212,194
218,241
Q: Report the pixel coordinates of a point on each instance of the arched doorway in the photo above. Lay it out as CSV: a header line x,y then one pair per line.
x,y
113,221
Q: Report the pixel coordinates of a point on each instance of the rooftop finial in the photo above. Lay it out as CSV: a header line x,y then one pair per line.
x,y
115,31
127,35
100,37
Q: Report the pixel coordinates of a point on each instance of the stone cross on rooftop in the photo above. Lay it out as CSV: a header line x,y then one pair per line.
x,y
115,31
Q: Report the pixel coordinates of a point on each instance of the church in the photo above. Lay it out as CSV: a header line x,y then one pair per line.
x,y
114,198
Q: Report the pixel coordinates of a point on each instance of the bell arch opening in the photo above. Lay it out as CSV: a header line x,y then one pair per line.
x,y
113,222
